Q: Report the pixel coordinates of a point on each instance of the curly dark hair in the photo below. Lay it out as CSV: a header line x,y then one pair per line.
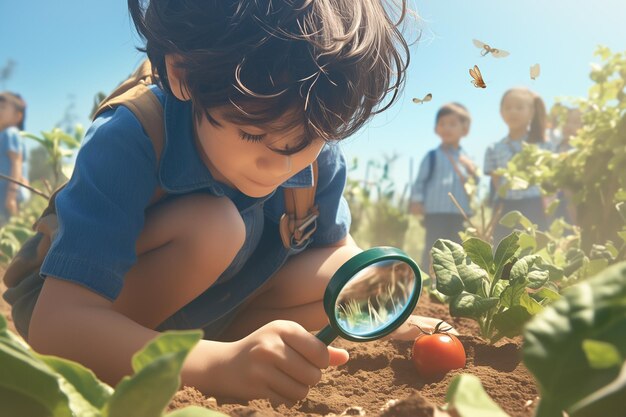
x,y
328,65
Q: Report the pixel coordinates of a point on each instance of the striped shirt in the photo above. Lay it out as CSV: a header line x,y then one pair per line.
x,y
433,192
498,156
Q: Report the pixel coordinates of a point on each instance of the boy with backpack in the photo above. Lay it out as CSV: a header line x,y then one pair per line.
x,y
443,170
208,194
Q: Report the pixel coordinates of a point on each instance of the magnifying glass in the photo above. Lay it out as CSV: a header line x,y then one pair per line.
x,y
371,295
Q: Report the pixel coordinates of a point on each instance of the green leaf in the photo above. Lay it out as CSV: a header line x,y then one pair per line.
x,y
530,304
480,253
537,278
471,305
30,379
157,376
510,323
603,402
553,341
513,218
448,278
82,379
467,398
511,295
522,267
601,355
547,294
195,411
506,250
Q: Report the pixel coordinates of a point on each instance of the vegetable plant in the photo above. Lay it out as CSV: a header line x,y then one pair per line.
x,y
577,348
32,384
501,290
593,171
436,353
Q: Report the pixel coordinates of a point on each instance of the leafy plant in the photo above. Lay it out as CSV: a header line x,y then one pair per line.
x,y
581,338
59,145
41,385
379,217
501,290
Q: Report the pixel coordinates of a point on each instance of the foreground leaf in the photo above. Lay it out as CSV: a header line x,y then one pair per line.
x,y
157,377
467,397
553,342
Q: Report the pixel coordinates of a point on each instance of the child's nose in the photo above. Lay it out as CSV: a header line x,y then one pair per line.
x,y
275,165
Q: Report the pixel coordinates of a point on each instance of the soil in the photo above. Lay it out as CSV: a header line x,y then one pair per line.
x,y
380,380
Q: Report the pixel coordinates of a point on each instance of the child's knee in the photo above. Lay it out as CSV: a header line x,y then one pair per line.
x,y
215,227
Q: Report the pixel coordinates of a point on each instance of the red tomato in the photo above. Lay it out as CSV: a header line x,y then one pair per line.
x,y
436,354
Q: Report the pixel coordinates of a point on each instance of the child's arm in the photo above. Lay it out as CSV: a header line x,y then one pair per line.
x,y
416,200
16,172
279,361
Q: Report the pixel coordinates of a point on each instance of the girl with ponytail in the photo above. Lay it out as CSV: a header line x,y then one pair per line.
x,y
524,112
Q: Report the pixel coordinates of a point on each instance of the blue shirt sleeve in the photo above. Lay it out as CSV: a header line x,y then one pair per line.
x,y
333,224
418,188
101,210
14,141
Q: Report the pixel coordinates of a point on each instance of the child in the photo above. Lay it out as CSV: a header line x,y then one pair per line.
x,y
12,153
253,93
524,112
444,170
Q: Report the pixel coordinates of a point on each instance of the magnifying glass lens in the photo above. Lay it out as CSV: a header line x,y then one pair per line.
x,y
375,297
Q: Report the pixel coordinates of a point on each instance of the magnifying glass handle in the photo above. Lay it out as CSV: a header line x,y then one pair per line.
x,y
327,335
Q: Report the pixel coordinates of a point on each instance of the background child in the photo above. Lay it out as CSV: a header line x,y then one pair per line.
x,y
443,170
524,113
253,93
12,153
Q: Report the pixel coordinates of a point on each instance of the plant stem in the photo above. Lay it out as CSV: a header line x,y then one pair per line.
x,y
456,203
21,184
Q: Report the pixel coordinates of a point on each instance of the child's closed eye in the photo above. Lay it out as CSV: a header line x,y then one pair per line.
x,y
250,137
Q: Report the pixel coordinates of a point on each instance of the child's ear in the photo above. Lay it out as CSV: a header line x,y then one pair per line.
x,y
176,78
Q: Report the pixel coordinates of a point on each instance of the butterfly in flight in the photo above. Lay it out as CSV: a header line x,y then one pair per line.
x,y
426,98
535,70
477,77
486,49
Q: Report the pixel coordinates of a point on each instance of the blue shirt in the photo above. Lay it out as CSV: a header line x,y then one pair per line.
x,y
101,210
10,142
498,156
433,192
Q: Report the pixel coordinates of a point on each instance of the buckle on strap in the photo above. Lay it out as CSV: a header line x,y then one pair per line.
x,y
294,234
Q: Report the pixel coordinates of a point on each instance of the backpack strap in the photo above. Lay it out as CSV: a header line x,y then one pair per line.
x,y
432,158
299,221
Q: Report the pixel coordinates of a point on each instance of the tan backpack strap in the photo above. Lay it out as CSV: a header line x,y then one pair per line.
x,y
298,222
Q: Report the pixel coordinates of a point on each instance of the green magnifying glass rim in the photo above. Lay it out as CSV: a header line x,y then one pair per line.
x,y
349,269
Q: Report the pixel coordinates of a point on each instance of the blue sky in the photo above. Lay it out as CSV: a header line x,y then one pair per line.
x,y
79,47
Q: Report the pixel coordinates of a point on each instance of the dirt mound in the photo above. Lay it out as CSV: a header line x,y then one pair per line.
x,y
380,380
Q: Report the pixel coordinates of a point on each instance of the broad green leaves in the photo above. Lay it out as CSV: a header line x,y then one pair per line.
x,y
34,384
493,289
582,338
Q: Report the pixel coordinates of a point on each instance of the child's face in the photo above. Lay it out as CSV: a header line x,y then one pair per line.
x,y
517,111
9,115
235,157
572,124
450,128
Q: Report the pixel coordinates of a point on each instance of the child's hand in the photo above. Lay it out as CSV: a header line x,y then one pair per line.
x,y
468,164
280,361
